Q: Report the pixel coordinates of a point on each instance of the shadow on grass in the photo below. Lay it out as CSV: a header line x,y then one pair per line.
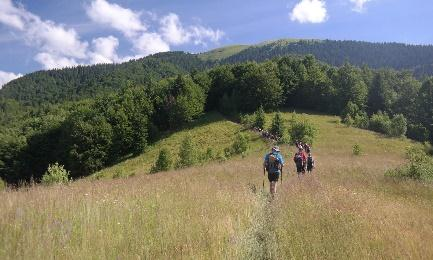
x,y
205,119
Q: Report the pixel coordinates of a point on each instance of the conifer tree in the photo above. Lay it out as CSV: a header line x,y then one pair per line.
x,y
163,163
277,127
260,120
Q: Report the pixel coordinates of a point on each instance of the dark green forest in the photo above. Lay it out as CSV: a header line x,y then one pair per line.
x,y
87,118
418,58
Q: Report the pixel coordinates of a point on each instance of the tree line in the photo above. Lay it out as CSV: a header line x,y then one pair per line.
x,y
89,134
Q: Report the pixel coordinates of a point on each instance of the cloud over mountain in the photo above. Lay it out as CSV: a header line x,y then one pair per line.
x,y
309,11
5,77
59,45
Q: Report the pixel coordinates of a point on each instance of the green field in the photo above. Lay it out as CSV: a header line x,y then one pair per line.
x,y
221,53
347,209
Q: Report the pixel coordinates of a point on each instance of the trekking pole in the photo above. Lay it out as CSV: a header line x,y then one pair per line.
x,y
263,184
281,175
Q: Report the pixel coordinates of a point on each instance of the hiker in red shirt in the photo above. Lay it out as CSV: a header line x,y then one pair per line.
x,y
300,160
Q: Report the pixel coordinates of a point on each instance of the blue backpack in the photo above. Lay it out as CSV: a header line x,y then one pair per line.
x,y
273,164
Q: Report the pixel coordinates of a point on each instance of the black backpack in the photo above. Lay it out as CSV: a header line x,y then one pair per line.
x,y
298,159
310,162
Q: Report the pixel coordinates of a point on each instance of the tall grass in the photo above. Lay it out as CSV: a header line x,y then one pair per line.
x,y
346,209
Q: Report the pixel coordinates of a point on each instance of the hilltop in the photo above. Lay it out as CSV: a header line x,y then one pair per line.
x,y
347,209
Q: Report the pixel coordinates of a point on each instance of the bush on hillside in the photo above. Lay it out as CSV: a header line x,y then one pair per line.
x,y
163,163
302,130
55,174
420,166
356,149
380,122
348,120
187,153
240,144
247,120
350,111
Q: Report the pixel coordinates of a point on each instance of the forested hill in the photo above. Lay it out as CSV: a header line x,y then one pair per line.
x,y
375,55
70,84
56,86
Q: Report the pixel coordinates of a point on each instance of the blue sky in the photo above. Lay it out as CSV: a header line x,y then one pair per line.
x,y
45,34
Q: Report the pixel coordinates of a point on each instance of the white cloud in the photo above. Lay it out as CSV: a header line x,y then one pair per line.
x,y
55,39
170,32
202,34
359,5
104,50
173,31
10,15
58,45
53,61
150,43
122,19
5,77
309,11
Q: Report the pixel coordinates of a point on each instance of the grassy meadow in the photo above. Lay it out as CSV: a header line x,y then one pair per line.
x,y
347,209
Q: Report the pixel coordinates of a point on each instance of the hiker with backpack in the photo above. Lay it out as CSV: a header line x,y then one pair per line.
x,y
273,164
310,163
300,161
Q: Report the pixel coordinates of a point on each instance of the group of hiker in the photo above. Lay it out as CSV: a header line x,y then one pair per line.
x,y
274,162
267,135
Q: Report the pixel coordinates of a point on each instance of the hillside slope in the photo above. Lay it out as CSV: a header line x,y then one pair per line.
x,y
221,53
59,85
346,210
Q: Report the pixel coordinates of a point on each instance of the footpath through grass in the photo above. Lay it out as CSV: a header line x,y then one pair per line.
x,y
346,210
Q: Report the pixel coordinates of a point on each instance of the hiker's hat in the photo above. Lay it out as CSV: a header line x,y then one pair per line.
x,y
276,148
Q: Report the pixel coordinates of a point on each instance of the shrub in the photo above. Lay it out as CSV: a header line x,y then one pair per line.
x,y
187,153
55,174
302,130
351,110
417,132
380,122
241,144
348,120
420,166
357,149
398,126
247,120
260,119
361,120
163,163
